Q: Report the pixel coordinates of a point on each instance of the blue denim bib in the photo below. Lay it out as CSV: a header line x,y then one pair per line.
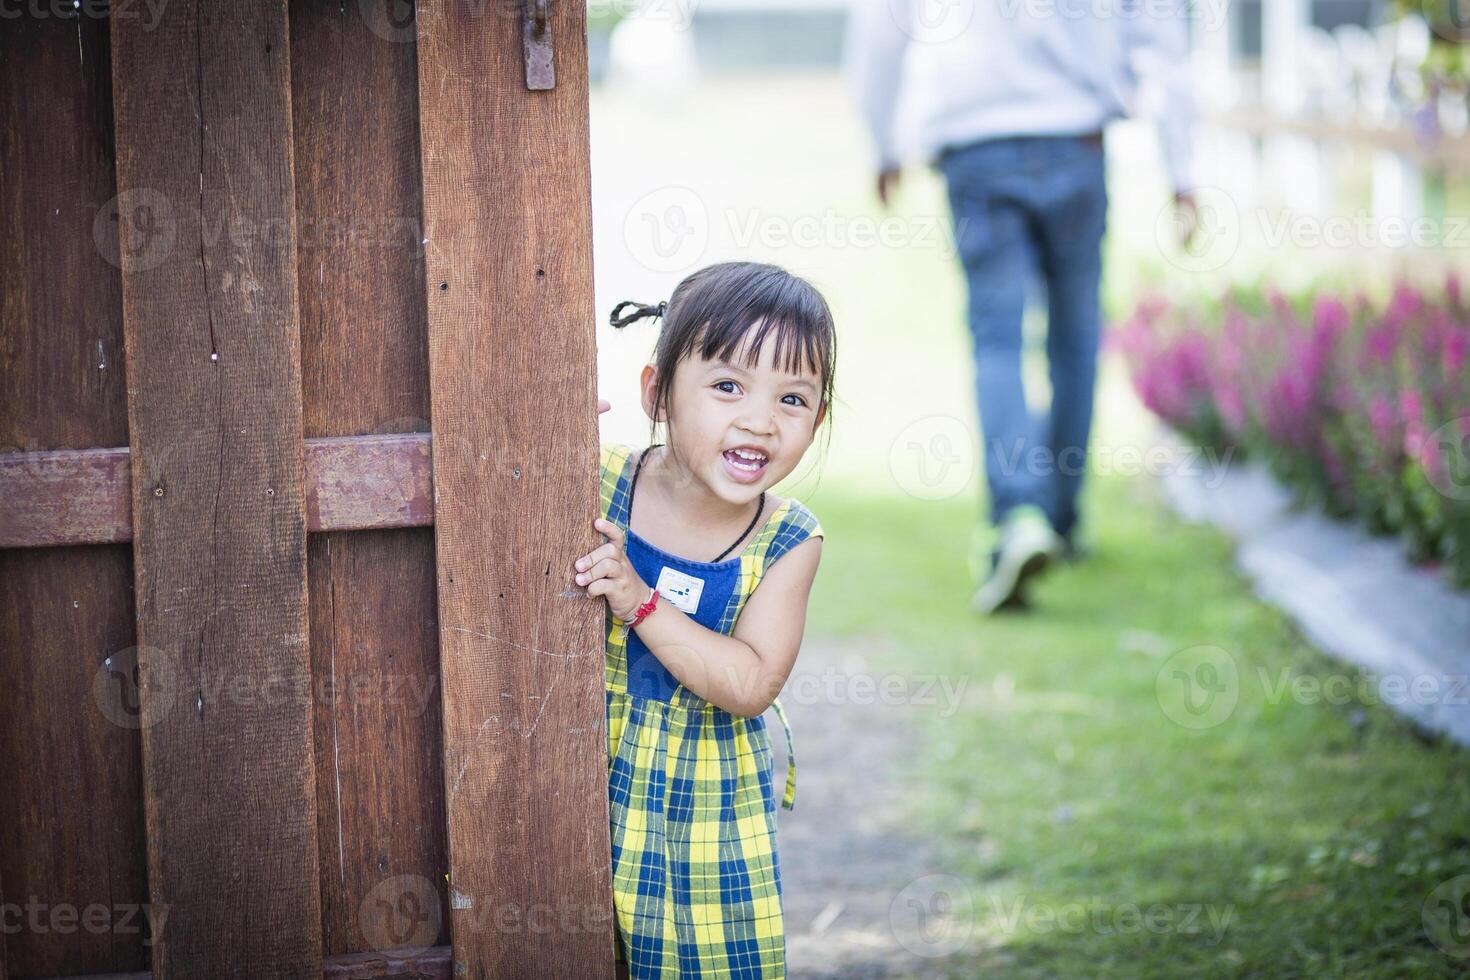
x,y
701,589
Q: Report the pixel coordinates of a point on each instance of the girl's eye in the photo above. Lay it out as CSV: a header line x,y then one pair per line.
x,y
725,390
799,400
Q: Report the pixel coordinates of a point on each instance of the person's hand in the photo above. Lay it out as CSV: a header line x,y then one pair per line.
x,y
603,405
887,183
606,571
1186,216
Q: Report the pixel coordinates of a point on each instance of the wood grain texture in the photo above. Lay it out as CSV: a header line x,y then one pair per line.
x,y
507,209
71,805
427,964
84,496
65,496
206,208
374,631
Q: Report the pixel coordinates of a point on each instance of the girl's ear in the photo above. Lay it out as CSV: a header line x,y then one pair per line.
x,y
647,381
821,414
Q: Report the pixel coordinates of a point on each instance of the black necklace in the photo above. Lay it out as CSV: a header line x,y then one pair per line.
x,y
634,486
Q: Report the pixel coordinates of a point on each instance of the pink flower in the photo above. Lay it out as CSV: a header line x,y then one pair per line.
x,y
1381,419
1411,410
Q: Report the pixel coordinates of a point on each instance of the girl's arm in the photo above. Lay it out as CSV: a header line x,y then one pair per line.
x,y
742,673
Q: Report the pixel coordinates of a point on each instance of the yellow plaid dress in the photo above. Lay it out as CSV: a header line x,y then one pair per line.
x,y
696,877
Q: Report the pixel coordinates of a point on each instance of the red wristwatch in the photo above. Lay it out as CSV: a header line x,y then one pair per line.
x,y
644,609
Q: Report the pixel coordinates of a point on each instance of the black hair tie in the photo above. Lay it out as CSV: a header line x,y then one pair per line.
x,y
641,310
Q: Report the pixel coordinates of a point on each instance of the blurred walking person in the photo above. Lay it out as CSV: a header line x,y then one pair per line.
x,y
1008,99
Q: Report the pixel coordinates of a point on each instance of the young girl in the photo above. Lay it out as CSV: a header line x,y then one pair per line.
x,y
706,578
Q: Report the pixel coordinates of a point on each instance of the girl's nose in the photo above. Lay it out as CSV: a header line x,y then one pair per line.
x,y
758,422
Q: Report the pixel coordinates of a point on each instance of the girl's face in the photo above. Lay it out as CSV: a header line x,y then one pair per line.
x,y
717,408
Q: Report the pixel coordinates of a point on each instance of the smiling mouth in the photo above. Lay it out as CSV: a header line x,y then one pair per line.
x,y
744,462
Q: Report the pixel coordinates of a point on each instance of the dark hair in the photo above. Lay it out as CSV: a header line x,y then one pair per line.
x,y
713,309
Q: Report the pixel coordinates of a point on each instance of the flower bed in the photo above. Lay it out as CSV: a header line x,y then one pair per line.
x,y
1361,406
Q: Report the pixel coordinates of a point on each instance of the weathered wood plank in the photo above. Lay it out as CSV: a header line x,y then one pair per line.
x,y
428,964
202,104
507,209
84,496
365,367
361,483
378,741
65,496
71,804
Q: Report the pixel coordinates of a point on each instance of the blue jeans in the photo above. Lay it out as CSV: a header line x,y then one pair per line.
x,y
1020,204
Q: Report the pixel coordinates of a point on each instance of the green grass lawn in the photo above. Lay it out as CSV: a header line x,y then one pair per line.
x,y
1313,833
1061,781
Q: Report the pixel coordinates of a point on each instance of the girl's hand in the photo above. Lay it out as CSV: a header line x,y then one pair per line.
x,y
603,405
607,572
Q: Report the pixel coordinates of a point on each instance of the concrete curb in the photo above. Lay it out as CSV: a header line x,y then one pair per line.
x,y
1355,596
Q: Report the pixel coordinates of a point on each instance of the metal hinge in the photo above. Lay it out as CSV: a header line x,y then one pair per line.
x,y
536,33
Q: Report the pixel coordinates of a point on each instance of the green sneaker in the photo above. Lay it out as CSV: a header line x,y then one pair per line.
x,y
1027,546
1076,547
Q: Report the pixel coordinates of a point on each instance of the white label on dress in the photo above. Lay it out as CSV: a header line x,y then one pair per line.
x,y
680,589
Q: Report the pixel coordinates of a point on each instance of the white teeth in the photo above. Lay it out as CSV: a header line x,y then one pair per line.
x,y
745,461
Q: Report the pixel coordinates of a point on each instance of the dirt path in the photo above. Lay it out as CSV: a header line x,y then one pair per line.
x,y
864,896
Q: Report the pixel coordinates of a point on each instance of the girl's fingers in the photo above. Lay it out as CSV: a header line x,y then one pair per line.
x,y
595,555
614,532
602,569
